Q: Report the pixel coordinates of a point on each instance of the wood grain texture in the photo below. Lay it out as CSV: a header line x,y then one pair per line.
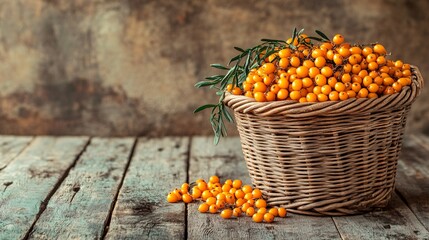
x,y
226,160
413,176
10,147
32,176
141,212
396,221
80,207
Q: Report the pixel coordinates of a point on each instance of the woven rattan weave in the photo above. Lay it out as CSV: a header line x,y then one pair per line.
x,y
330,158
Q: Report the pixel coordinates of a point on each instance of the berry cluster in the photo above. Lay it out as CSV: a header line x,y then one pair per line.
x,y
230,199
334,70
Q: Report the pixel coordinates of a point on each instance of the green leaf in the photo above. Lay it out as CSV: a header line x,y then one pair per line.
x,y
272,40
219,66
227,114
204,84
199,109
315,38
300,32
239,49
322,35
215,77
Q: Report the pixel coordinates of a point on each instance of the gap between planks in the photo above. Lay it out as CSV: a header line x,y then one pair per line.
x,y
112,206
57,185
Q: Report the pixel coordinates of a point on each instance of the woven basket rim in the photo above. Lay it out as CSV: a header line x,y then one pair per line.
x,y
292,108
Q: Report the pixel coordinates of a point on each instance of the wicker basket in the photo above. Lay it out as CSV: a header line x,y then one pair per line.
x,y
330,158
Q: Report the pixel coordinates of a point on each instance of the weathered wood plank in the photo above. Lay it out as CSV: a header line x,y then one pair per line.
x,y
226,160
31,178
80,207
412,181
141,211
10,147
394,222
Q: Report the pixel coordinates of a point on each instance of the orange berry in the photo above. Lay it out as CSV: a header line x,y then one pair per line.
x,y
373,88
250,211
259,87
260,97
333,96
338,59
297,84
284,63
258,218
320,62
326,89
350,94
344,96
302,71
327,71
356,87
268,68
261,203
226,213
339,86
378,48
338,39
186,198
204,207
396,86
285,53
213,209
237,91
320,80
311,97
295,95
294,61
274,211
172,198
257,193
322,97
282,94
268,217
282,212
236,212
363,93
270,96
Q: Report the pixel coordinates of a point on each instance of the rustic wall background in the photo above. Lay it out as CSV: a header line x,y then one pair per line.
x,y
128,67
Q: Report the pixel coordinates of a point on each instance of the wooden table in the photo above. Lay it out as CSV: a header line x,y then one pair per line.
x,y
115,188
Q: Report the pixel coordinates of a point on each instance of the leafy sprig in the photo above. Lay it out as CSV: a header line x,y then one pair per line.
x,y
237,70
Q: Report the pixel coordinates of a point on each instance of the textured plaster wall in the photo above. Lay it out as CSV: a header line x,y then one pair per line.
x,y
104,67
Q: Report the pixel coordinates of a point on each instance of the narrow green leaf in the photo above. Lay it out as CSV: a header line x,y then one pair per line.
x,y
218,66
199,109
300,32
215,77
322,35
272,40
204,84
239,49
227,114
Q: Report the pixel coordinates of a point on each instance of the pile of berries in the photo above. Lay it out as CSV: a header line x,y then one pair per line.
x,y
334,70
230,199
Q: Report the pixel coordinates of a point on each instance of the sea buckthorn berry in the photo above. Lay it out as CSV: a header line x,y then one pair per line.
x,y
338,59
236,212
320,62
347,68
327,71
220,203
355,59
206,194
229,198
399,64
247,86
313,72
172,198
247,189
363,93
371,58
356,79
203,208
226,188
297,84
221,196
404,81
283,83
202,186
274,211
237,91
285,53
344,96
258,218
178,193
228,182
406,73
307,82
308,63
251,202
381,60
226,213
330,55
311,97
372,66
338,39
262,210
350,94
284,63
275,88
344,52
372,95
268,68
259,87
295,62
184,188
397,86
260,97
196,192
317,53
378,48
320,80
229,87
270,96
356,50
322,97
213,208
388,90
346,78
248,196
302,71
367,81
356,69
373,88
250,211
333,96
261,203
282,94
326,89
302,99
332,81
282,212
257,78
239,202
366,51
295,95
317,90
211,200
186,198
256,193
340,87
356,87
245,206
249,94
214,179
268,217
388,81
